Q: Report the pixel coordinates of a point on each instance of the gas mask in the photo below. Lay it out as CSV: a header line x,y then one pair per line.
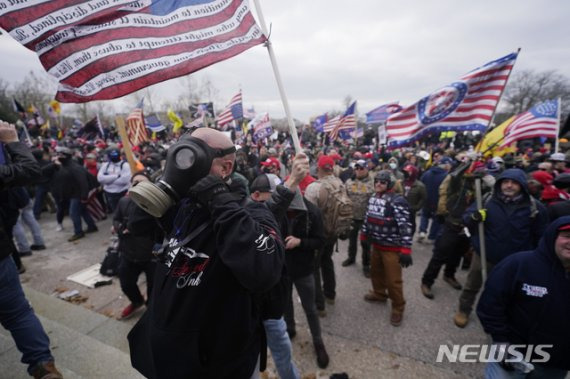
x,y
187,161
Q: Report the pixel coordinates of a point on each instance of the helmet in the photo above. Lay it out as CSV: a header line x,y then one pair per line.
x,y
387,176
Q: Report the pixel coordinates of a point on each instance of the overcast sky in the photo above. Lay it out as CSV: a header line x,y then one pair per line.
x,y
375,51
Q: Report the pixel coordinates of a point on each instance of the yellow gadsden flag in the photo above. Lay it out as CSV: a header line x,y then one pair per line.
x,y
491,142
176,121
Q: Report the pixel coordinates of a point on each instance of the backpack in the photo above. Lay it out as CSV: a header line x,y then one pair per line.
x,y
337,209
110,264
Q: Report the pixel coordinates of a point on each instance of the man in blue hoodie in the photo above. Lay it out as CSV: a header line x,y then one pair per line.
x,y
525,301
513,221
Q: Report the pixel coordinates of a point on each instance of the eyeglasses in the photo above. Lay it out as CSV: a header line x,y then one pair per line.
x,y
381,182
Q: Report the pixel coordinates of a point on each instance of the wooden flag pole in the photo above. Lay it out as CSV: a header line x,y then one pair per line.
x,y
557,137
126,144
292,129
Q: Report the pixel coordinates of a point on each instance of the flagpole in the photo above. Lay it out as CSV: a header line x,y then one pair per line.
x,y
268,44
557,137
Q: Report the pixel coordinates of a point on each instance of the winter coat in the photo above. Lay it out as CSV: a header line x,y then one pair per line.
x,y
387,224
415,194
18,167
432,178
203,319
509,227
526,300
115,177
359,191
135,246
69,180
308,227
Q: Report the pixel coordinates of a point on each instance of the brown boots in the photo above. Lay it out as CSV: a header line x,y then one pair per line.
x,y
46,370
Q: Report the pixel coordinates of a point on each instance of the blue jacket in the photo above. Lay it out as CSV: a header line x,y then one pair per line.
x,y
527,299
432,178
509,228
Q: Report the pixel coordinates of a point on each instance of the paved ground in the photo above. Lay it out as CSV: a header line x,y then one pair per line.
x,y
360,340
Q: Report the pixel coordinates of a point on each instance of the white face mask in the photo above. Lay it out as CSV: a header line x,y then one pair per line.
x,y
393,166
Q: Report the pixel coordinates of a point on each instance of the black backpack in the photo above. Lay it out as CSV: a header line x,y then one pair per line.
x,y
110,264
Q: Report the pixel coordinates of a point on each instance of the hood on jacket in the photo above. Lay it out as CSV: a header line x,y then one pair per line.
x,y
412,173
298,204
515,174
546,244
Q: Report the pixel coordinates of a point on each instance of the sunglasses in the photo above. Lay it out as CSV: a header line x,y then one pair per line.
x,y
381,182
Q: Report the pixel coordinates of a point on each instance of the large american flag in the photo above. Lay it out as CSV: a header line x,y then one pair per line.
x,y
101,50
233,111
467,104
136,130
346,123
542,120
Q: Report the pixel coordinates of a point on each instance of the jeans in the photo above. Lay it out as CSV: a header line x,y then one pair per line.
x,y
61,205
472,284
27,217
41,192
280,345
353,243
494,370
325,266
449,247
306,289
78,210
129,272
17,316
424,221
113,200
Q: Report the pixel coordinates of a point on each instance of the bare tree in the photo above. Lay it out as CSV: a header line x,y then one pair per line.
x,y
527,88
37,90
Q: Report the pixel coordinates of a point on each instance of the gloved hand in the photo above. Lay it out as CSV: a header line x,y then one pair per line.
x,y
207,188
405,260
479,215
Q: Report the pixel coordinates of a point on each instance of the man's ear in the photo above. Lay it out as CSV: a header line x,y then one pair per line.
x,y
227,167
255,195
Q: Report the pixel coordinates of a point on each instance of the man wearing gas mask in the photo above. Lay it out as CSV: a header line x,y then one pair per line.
x,y
203,319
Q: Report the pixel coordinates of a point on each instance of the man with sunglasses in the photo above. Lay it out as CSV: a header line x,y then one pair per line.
x,y
359,189
387,226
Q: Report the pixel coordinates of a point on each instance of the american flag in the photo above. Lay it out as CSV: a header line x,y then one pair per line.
x,y
467,104
233,111
346,122
539,121
101,50
331,124
136,130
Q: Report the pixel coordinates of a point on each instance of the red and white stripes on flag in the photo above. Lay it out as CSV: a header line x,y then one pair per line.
x,y
331,124
99,49
345,122
542,120
136,129
231,111
467,104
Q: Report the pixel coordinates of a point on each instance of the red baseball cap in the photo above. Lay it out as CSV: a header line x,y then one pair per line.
x,y
564,227
271,161
325,162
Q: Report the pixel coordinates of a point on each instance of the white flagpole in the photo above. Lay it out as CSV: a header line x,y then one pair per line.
x,y
292,129
556,138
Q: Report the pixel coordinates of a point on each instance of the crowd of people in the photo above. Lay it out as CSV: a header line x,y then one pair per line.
x,y
254,220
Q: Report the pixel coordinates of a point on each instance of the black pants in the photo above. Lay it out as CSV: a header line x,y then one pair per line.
x,y
324,266
449,247
353,243
129,272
